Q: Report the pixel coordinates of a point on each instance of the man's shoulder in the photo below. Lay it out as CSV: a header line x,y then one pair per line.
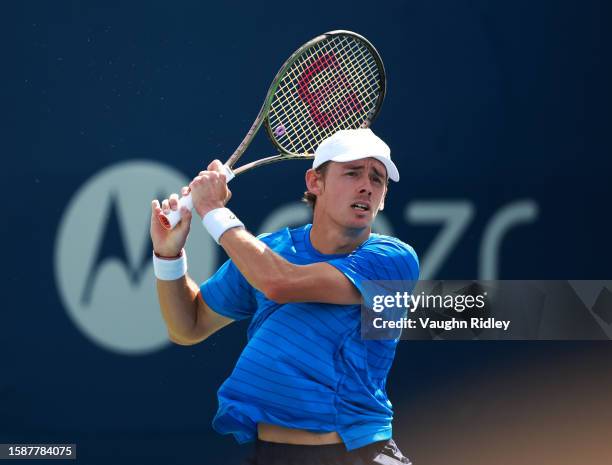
x,y
384,240
282,237
390,245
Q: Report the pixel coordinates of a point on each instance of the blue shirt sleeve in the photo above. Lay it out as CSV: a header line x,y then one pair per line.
x,y
228,293
379,259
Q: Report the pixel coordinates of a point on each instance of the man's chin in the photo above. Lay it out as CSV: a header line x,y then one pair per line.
x,y
360,223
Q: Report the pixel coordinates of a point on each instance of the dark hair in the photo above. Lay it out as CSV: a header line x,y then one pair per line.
x,y
309,197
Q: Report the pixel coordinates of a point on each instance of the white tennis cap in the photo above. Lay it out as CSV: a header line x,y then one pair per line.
x,y
355,144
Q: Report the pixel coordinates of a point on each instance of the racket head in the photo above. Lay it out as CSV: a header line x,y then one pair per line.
x,y
335,81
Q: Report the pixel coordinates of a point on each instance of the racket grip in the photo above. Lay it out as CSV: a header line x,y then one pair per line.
x,y
229,174
170,220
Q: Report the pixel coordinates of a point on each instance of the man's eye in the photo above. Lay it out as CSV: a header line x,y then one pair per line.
x,y
350,173
378,180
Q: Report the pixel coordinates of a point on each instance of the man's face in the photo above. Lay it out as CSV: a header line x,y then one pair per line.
x,y
352,193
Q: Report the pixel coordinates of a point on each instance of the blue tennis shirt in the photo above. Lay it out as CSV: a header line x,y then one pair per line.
x,y
305,365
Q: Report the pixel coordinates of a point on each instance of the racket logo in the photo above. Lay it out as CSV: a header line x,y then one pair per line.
x,y
336,90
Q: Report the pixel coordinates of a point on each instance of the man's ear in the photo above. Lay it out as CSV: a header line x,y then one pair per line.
x,y
314,182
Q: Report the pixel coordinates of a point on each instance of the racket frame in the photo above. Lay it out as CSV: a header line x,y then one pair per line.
x,y
262,117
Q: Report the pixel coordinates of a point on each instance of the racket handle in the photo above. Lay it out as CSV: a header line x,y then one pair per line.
x,y
170,220
229,174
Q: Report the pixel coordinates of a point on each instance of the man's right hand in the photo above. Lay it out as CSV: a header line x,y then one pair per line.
x,y
169,243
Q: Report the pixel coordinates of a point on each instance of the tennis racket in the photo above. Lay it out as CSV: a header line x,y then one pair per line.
x,y
335,81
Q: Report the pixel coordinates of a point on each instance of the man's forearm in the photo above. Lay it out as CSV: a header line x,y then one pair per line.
x,y
178,303
260,265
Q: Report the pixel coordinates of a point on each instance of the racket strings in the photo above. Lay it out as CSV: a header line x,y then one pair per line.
x,y
336,112
332,85
312,113
343,53
356,68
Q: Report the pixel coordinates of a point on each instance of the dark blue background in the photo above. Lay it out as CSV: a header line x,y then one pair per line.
x,y
487,102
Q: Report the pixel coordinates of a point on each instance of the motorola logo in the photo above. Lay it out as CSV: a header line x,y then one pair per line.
x,y
103,267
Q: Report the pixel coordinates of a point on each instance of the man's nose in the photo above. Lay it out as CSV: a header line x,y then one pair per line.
x,y
366,188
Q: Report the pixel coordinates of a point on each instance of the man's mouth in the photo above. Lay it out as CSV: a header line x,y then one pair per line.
x,y
360,206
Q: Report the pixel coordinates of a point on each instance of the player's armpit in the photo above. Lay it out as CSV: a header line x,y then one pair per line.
x,y
207,323
318,282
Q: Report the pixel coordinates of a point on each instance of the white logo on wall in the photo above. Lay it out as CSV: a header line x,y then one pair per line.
x,y
103,264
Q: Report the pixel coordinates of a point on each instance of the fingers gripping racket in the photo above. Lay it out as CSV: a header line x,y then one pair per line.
x,y
335,81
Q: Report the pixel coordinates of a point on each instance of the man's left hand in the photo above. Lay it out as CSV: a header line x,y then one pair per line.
x,y
209,189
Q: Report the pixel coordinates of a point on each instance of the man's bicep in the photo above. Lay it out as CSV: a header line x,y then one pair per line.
x,y
324,283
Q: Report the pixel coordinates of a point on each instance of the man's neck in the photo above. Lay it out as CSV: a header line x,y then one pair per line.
x,y
334,239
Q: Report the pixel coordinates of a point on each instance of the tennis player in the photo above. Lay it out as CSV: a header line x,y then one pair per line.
x,y
307,388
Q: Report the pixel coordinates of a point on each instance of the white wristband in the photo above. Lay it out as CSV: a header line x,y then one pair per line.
x,y
169,269
219,220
